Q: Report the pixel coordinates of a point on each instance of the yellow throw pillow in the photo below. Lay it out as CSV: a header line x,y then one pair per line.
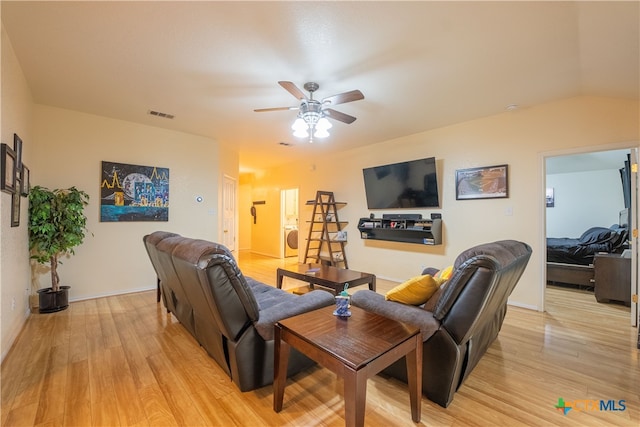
x,y
414,291
445,273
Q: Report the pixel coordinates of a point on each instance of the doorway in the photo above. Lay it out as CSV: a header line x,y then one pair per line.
x,y
584,190
229,213
289,220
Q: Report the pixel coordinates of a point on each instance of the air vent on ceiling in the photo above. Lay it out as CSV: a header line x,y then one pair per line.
x,y
159,114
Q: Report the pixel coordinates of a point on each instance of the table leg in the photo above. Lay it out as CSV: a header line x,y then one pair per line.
x,y
372,284
414,378
279,277
280,362
355,397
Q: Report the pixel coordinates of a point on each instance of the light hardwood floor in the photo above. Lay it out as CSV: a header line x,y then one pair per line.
x,y
122,360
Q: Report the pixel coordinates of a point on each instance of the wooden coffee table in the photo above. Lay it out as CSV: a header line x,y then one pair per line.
x,y
326,276
355,348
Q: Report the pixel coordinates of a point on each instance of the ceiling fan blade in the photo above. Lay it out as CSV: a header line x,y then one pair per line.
x,y
262,110
341,98
337,115
293,90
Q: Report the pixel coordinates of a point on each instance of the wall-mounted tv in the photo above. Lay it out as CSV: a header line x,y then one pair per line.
x,y
411,184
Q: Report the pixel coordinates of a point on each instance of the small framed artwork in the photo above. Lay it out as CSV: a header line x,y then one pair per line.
x,y
17,148
550,198
487,182
25,184
15,209
8,166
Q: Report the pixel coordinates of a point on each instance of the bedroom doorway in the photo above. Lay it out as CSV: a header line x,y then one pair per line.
x,y
583,190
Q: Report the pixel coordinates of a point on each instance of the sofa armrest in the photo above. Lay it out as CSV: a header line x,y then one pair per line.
x,y
291,307
410,314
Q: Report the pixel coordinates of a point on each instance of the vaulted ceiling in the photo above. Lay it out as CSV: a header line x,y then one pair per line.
x,y
420,65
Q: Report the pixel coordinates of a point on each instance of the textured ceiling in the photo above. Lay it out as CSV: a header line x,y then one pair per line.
x,y
420,65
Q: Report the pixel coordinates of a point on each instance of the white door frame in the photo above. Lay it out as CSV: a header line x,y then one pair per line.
x,y
633,238
229,212
633,235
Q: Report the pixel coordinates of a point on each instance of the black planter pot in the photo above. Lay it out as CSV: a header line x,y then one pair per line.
x,y
50,301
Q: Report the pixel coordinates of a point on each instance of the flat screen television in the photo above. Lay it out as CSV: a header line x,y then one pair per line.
x,y
411,184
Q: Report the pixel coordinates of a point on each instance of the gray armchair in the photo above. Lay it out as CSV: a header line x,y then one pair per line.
x,y
464,318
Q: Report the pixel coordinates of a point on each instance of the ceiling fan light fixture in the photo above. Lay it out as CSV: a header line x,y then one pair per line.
x,y
299,125
320,133
312,119
301,133
300,128
324,124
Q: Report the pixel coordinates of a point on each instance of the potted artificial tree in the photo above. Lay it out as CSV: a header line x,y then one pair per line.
x,y
57,225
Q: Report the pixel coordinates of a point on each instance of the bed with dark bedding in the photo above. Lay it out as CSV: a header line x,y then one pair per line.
x,y
570,260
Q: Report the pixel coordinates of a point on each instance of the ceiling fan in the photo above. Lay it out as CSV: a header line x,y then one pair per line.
x,y
312,118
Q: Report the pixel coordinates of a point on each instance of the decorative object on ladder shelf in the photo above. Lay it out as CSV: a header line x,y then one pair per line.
x,y
326,239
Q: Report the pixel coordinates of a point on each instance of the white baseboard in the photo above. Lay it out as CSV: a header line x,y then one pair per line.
x,y
110,294
526,306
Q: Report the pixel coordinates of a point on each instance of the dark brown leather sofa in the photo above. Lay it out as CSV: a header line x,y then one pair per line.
x,y
465,319
230,315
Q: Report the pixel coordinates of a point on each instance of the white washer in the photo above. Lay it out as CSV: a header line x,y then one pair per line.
x,y
290,241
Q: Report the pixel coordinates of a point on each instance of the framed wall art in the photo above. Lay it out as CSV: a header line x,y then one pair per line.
x,y
8,167
550,198
134,193
487,182
17,148
15,208
25,184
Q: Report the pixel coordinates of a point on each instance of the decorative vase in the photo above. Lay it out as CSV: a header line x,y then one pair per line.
x,y
342,306
51,302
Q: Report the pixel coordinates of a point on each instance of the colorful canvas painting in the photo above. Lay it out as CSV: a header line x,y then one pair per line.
x,y
134,193
488,182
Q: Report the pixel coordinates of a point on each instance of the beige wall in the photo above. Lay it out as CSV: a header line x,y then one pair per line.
x,y
16,117
266,232
70,147
244,208
519,139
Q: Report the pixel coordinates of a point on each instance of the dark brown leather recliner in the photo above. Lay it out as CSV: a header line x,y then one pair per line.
x,y
230,315
150,244
465,317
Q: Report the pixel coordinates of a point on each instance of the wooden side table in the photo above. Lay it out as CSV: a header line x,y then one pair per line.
x,y
354,348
